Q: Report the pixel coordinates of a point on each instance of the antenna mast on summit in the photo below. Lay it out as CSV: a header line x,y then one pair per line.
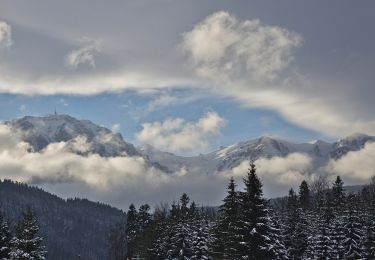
x,y
55,112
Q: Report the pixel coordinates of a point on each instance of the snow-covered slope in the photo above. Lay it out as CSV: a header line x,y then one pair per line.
x,y
82,136
263,147
353,142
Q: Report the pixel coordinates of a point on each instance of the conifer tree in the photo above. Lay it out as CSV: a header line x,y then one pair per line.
x,y
255,232
27,244
180,235
117,243
5,238
338,194
145,231
280,252
304,195
225,243
322,243
200,240
338,236
131,230
353,229
143,217
184,209
295,229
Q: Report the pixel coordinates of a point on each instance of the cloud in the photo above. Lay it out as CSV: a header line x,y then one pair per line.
x,y
278,174
223,45
5,35
251,62
84,55
115,180
356,166
161,101
61,169
116,128
262,64
176,135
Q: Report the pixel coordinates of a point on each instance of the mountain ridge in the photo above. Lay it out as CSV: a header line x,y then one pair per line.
x,y
41,131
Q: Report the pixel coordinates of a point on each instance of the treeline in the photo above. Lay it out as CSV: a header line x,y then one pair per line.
x,y
25,242
320,221
72,228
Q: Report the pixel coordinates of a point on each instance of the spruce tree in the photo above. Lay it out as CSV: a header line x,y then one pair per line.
x,y
338,236
338,194
353,229
225,241
322,243
180,235
254,231
304,195
200,240
131,230
5,238
143,217
295,229
280,252
117,243
27,244
368,242
145,231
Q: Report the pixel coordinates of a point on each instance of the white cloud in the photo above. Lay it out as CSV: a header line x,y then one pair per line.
x,y
161,101
84,55
115,180
278,174
122,180
116,128
5,34
221,45
177,135
356,166
250,61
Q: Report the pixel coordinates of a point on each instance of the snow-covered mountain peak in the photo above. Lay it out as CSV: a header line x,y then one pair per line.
x,y
85,137
40,131
353,142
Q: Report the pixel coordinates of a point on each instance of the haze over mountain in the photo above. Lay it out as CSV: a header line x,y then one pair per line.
x,y
263,147
84,137
41,131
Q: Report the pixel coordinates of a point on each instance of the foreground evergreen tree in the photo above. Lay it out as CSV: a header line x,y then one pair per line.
x,y
145,233
337,227
254,226
27,245
304,195
338,195
225,241
5,238
353,229
321,243
117,243
280,252
181,247
295,228
200,240
368,241
131,230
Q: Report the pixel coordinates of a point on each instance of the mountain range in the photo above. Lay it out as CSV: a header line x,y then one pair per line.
x,y
41,131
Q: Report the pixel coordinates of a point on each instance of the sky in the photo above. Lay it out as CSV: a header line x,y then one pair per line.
x,y
294,69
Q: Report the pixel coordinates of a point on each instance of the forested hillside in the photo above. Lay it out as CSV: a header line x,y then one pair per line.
x,y
70,228
320,221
